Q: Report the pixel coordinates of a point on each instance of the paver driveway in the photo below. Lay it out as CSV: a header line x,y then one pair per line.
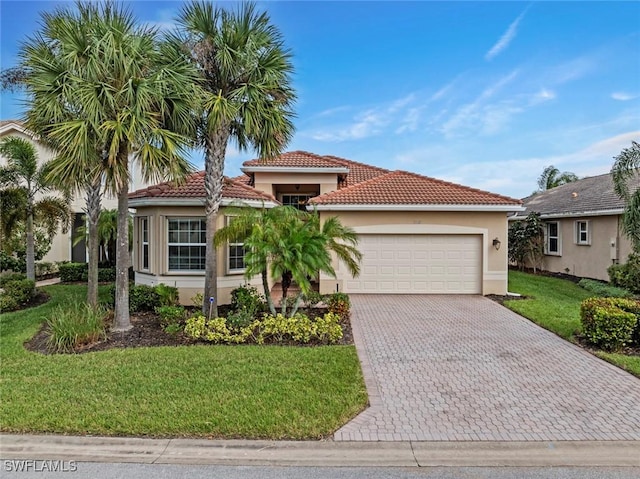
x,y
454,368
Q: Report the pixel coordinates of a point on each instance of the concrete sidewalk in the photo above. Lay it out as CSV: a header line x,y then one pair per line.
x,y
320,453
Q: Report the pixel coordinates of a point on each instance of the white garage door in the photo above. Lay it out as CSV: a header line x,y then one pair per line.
x,y
409,264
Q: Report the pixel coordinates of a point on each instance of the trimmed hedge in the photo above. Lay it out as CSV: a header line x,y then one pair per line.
x,y
147,298
610,323
79,272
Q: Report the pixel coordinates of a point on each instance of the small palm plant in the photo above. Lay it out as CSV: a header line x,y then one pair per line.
x,y
291,245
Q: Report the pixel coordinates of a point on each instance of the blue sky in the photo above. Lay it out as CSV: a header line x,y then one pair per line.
x,y
481,93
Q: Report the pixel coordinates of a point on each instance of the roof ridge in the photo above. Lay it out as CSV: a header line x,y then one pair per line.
x,y
458,185
359,163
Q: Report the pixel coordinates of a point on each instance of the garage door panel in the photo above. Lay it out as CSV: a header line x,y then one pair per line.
x,y
419,264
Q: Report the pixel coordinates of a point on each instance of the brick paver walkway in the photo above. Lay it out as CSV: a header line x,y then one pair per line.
x,y
463,368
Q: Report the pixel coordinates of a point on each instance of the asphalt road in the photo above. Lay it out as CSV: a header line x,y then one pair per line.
x,y
160,471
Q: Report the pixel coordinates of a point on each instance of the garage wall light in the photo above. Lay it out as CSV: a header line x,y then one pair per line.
x,y
496,243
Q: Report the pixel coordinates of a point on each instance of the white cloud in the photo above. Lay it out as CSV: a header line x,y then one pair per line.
x,y
477,114
371,122
506,38
623,96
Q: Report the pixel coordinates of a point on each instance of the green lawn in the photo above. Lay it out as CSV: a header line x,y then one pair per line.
x,y
554,304
199,391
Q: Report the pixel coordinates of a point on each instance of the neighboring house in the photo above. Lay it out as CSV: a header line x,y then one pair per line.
x,y
583,235
417,234
62,248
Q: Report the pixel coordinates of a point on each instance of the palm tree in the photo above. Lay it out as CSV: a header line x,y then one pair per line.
x,y
107,234
551,177
23,171
290,244
106,92
625,167
246,75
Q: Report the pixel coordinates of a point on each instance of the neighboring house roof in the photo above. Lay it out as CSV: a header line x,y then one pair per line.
x,y
409,189
589,196
193,189
10,125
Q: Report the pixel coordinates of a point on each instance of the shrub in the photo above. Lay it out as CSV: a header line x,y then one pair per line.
x,y
299,328
339,304
240,319
604,289
167,295
328,329
8,277
171,315
215,330
105,275
44,268
73,272
7,303
22,291
75,325
11,263
143,298
609,322
247,298
313,299
627,275
277,329
171,318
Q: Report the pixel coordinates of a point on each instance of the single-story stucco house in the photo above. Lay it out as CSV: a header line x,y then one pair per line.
x,y
583,234
417,234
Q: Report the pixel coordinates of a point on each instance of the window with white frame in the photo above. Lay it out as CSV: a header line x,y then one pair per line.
x,y
144,248
552,238
583,236
235,253
187,244
298,201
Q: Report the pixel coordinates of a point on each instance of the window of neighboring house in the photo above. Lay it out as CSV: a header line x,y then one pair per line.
x,y
298,201
187,244
144,251
582,233
552,240
235,253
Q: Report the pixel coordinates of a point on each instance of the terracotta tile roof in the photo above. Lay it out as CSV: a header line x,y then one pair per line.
x,y
194,188
404,188
296,159
593,194
244,179
358,172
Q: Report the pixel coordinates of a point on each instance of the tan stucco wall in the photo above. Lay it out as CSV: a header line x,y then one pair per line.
x,y
309,182
488,225
589,261
61,242
188,283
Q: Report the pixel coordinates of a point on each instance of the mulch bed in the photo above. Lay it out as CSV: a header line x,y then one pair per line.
x,y
146,332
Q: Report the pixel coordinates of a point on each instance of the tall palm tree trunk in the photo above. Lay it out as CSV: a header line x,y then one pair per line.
x,y
214,173
93,216
122,321
31,256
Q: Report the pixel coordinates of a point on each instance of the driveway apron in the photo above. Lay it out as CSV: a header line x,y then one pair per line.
x,y
464,368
